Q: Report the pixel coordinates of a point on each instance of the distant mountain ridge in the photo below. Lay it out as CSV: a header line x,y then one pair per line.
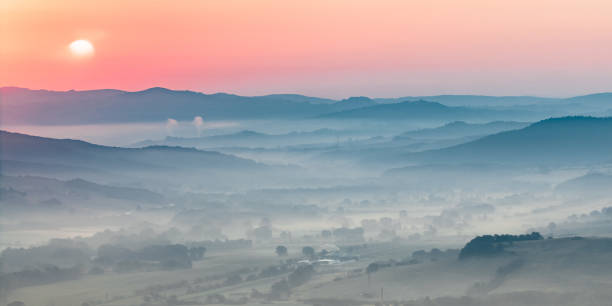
x,y
503,101
24,106
424,110
248,138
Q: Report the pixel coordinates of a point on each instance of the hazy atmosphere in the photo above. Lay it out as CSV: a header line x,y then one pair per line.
x,y
423,153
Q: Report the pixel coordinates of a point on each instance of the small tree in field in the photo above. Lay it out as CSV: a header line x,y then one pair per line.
x,y
281,250
308,251
373,267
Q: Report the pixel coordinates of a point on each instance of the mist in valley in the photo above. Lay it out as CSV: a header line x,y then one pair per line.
x,y
351,202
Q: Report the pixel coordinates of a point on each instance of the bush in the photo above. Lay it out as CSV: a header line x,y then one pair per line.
x,y
300,276
308,251
281,250
279,290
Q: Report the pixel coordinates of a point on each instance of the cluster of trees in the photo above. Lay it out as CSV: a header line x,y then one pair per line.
x,y
490,245
281,250
172,256
481,288
59,260
310,253
37,276
198,285
227,244
247,275
307,251
416,258
345,235
62,253
282,289
433,255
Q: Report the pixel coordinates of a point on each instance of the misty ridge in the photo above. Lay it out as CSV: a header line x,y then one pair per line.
x,y
21,106
165,197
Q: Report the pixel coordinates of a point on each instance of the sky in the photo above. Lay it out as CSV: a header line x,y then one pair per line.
x,y
330,48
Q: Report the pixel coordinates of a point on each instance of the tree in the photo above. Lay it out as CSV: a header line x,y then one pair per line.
x,y
373,267
197,253
281,250
308,251
109,254
435,254
169,256
349,234
300,276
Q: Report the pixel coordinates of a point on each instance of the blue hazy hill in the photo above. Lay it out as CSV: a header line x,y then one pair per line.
x,y
566,140
17,147
425,110
458,129
25,106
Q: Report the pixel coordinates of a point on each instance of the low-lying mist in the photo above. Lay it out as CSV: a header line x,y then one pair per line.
x,y
316,211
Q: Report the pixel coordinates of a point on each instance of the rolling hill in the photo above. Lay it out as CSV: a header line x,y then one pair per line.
x,y
68,153
587,185
252,139
462,129
556,141
34,188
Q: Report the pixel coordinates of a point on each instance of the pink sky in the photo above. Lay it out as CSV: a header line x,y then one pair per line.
x,y
327,48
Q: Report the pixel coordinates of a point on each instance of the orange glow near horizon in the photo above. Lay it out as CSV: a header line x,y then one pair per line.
x,y
323,48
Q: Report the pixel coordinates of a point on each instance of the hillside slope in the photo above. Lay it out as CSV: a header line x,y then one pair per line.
x,y
557,141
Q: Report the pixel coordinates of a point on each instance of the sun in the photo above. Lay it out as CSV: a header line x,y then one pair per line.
x,y
81,47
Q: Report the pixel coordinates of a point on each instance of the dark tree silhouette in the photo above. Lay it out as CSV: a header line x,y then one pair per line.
x,y
308,251
197,253
281,250
371,268
490,245
300,276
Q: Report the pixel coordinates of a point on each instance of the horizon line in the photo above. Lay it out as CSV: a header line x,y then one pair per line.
x,y
303,95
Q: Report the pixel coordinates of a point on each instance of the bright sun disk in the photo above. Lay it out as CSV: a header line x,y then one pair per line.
x,y
81,47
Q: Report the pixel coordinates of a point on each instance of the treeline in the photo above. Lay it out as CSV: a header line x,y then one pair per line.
x,y
37,276
282,289
173,256
227,244
294,276
490,245
417,257
344,235
65,259
63,253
